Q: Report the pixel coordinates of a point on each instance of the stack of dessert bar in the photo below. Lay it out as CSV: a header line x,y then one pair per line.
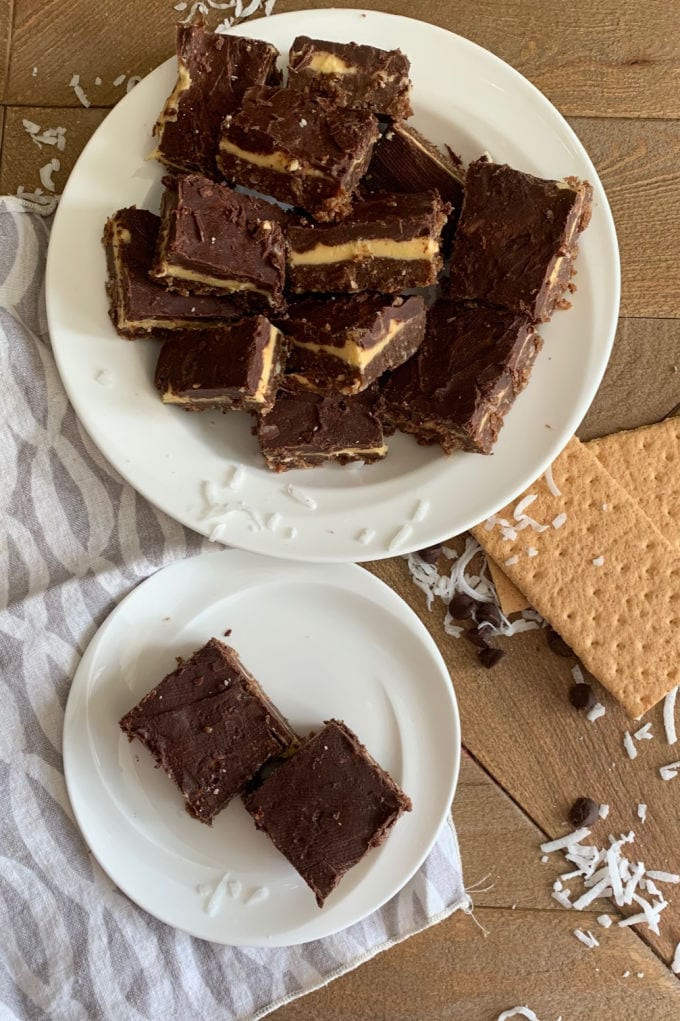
x,y
320,264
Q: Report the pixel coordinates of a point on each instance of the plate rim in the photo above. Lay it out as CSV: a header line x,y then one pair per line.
x,y
71,753
422,537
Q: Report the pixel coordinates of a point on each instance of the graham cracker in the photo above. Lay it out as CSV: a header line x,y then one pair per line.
x,y
646,462
607,580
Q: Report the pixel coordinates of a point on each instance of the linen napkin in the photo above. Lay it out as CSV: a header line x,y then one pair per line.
x,y
75,540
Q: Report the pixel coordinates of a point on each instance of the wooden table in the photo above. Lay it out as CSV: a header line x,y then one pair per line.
x,y
613,69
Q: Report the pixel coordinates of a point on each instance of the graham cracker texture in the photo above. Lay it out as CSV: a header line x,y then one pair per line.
x,y
646,462
607,580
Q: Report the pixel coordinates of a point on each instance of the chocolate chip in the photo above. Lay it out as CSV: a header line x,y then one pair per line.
x,y
489,657
582,697
489,613
430,555
462,606
583,812
475,637
227,632
557,644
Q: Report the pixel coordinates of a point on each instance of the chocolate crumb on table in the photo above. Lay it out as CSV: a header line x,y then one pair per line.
x,y
345,343
405,161
210,726
516,240
214,71
237,367
327,806
138,307
463,379
214,240
305,153
350,74
388,243
305,429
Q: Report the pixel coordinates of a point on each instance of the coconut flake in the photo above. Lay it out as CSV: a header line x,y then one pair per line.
x,y
365,536
421,511
604,920
669,715
598,561
642,812
78,89
577,674
562,898
604,811
644,733
550,482
559,520
180,7
525,502
532,551
30,126
216,899
670,771
399,537
300,496
517,1012
34,72
675,963
598,890
663,877
587,939
269,7
631,750
571,839
613,855
237,477
595,713
511,560
132,81
46,173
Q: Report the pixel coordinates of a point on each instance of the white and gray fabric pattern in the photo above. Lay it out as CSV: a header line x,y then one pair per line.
x,y
75,539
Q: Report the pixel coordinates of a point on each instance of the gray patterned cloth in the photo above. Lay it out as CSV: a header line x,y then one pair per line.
x,y
75,540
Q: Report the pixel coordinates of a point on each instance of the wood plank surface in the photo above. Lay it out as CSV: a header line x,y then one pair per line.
x,y
608,59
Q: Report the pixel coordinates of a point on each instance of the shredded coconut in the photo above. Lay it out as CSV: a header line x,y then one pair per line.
x,y
604,920
558,521
663,877
642,812
46,173
586,938
644,733
119,80
300,496
595,713
670,771
631,750
517,1012
365,536
532,551
399,537
525,502
421,510
78,89
570,839
669,715
604,811
237,477
598,561
511,560
134,80
550,482
675,963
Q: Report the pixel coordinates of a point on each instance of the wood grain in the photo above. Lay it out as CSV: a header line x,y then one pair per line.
x,y
618,59
517,721
528,957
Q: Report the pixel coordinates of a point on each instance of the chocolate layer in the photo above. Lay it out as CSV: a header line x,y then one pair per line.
x,y
405,161
462,381
209,725
387,244
303,152
304,429
213,73
138,307
218,241
346,343
327,806
237,367
348,74
517,238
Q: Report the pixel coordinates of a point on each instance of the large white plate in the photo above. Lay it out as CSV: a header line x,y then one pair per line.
x,y
324,642
463,96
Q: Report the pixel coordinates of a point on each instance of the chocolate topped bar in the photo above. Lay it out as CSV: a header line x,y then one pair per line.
x,y
345,343
213,73
517,238
303,152
388,244
347,74
236,367
304,429
457,388
137,306
210,726
405,161
217,241
327,806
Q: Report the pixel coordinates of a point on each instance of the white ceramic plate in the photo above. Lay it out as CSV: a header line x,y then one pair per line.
x,y
463,96
324,642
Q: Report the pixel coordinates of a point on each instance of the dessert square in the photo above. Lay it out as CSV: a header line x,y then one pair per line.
x,y
213,73
517,238
137,306
387,244
405,161
327,806
463,379
237,367
345,343
217,241
305,429
209,725
303,152
348,74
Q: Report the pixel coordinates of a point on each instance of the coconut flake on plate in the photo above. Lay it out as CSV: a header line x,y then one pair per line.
x,y
367,535
669,715
299,495
421,511
400,537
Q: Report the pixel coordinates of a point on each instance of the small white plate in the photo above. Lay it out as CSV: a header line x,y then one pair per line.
x,y
324,642
463,96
